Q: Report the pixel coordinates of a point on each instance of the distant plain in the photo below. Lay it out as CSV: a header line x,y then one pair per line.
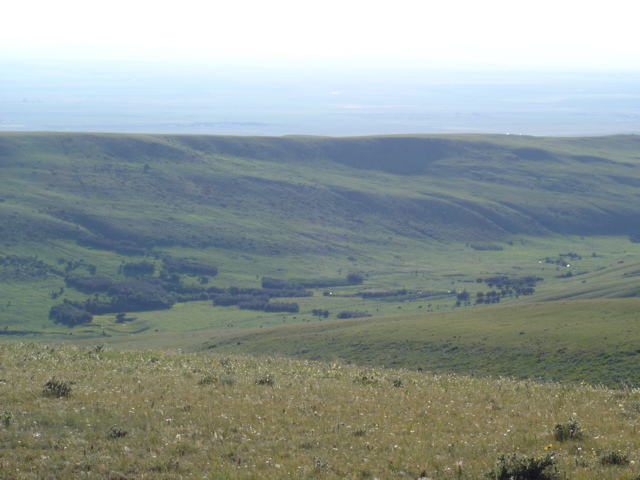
x,y
347,100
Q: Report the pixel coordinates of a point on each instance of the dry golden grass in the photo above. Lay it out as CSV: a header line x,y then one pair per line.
x,y
170,415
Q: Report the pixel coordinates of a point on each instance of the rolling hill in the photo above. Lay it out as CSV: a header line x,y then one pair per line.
x,y
313,195
143,232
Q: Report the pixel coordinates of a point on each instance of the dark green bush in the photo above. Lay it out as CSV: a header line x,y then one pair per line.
x,y
614,458
512,467
571,430
56,389
116,432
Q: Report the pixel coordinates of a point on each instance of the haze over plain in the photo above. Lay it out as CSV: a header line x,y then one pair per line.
x,y
251,68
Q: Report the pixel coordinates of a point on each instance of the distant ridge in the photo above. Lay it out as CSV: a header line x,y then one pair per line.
x,y
467,187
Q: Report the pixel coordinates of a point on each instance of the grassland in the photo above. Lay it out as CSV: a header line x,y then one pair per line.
x,y
173,393
593,341
429,214
93,412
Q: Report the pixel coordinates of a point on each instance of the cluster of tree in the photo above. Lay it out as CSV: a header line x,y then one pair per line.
x,y
137,269
318,312
507,286
562,259
128,295
69,314
255,302
510,286
88,284
490,297
259,298
124,247
143,292
401,295
133,295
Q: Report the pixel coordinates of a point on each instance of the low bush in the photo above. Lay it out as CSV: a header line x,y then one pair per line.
x,y
514,467
572,430
614,458
56,389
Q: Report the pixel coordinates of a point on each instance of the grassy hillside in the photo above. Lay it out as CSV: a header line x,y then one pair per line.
x,y
593,341
423,215
315,195
85,412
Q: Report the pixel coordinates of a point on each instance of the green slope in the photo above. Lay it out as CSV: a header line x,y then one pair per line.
x,y
310,194
593,341
423,212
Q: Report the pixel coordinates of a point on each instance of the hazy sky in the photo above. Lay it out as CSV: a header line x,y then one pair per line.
x,y
558,33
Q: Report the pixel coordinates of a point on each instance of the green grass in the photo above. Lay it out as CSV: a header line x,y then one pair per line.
x,y
592,341
167,415
403,211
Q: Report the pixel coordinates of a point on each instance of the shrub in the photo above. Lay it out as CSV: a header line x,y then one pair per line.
x,y
56,389
6,418
512,467
117,432
571,430
268,379
208,380
614,458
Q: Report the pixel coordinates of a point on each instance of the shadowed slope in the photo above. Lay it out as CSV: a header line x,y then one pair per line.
x,y
260,194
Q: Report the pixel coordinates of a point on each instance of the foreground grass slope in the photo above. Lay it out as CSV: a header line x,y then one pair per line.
x,y
89,412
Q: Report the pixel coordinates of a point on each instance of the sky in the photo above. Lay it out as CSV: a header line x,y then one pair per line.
x,y
555,34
